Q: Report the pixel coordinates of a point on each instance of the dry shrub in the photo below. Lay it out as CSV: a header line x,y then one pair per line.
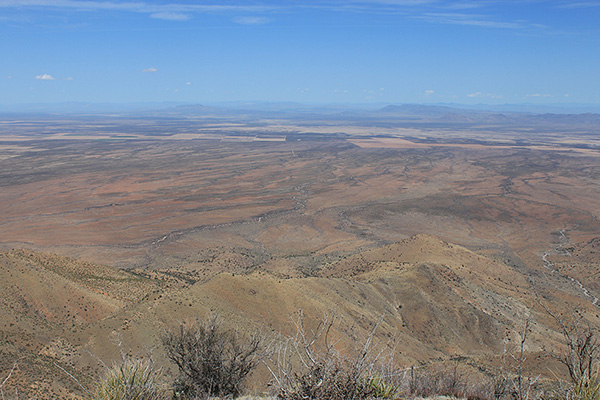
x,y
451,381
581,355
212,360
308,366
330,378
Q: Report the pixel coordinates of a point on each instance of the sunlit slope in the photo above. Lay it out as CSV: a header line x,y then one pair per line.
x,y
42,291
449,296
45,301
435,299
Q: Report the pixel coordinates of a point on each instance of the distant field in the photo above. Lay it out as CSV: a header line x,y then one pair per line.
x,y
396,143
143,192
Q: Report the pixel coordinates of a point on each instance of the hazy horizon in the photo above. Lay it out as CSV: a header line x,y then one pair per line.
x,y
76,107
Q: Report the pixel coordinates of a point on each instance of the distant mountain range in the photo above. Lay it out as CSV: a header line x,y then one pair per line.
x,y
446,113
455,115
455,112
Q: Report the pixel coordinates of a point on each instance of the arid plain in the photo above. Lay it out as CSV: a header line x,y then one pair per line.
x,y
453,231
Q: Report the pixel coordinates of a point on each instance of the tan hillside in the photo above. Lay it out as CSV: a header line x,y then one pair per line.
x,y
453,302
449,295
436,300
44,302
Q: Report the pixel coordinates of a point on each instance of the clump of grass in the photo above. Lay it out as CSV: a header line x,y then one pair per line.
x,y
130,380
586,389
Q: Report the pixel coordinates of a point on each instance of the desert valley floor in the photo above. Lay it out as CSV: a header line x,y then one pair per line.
x,y
455,234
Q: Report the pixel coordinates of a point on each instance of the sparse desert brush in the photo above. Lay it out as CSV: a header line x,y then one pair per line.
x,y
131,380
451,381
329,379
212,360
309,367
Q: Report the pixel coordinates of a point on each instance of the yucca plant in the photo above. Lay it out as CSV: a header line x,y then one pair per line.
x,y
130,380
382,389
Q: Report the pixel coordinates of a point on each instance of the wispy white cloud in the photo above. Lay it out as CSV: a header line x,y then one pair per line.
x,y
580,4
445,11
484,95
466,5
373,93
471,20
412,6
251,20
434,11
537,95
69,78
170,16
45,77
472,4
151,69
429,92
152,9
396,2
14,18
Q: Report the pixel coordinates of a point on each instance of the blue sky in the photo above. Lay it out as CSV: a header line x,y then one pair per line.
x,y
357,51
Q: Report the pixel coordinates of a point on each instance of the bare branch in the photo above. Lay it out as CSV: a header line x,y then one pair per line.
x,y
582,353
